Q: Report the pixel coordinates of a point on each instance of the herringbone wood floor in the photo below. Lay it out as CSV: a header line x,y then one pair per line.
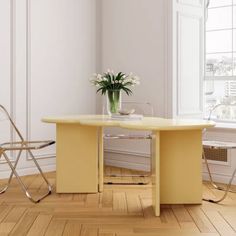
x,y
119,210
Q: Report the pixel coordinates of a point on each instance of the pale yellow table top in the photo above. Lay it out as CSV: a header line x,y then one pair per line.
x,y
147,123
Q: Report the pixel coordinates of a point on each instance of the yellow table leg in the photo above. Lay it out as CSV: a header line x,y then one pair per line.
x,y
181,167
101,159
155,168
77,159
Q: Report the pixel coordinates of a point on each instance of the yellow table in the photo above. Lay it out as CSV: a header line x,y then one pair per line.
x,y
176,156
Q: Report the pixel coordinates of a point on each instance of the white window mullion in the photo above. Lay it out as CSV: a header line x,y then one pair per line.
x,y
220,78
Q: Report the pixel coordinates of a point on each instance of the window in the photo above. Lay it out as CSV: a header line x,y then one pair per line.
x,y
220,69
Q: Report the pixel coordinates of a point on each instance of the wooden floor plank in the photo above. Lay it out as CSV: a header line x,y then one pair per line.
x,y
230,218
184,218
11,219
4,210
40,225
120,210
133,203
56,227
119,202
87,231
92,200
80,198
72,228
220,224
107,198
170,234
201,220
23,226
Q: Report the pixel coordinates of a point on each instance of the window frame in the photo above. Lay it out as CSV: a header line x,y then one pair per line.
x,y
226,78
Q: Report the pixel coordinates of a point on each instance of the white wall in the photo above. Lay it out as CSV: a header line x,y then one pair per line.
x,y
133,41
48,53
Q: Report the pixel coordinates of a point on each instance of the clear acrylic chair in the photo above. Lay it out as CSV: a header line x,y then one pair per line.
x,y
19,146
142,108
226,111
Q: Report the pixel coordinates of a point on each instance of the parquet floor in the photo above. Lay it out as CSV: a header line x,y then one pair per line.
x,y
118,211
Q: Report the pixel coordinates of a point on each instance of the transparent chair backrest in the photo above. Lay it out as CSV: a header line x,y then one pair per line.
x,y
141,108
223,112
7,127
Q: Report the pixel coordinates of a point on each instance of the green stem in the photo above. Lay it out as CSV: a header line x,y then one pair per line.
x,y
114,100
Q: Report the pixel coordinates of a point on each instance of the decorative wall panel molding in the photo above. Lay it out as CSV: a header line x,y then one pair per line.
x,y
189,76
12,109
29,113
125,159
194,3
7,67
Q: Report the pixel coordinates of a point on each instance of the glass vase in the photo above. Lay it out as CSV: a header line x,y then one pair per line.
x,y
113,101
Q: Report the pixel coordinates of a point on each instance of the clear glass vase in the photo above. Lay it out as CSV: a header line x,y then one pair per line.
x,y
113,101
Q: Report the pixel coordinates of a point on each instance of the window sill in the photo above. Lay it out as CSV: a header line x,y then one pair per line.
x,y
225,126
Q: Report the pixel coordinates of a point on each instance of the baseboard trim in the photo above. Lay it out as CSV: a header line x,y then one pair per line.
x,y
127,153
218,178
28,171
113,158
137,161
124,159
127,165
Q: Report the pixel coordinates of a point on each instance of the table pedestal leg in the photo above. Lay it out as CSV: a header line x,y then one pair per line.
x,y
155,168
101,159
181,167
77,159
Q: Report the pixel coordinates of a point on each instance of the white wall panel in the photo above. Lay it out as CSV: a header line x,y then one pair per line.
x,y
193,3
48,53
6,70
189,78
20,65
133,41
61,55
187,58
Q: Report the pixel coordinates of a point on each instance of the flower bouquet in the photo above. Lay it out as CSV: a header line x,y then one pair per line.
x,y
112,84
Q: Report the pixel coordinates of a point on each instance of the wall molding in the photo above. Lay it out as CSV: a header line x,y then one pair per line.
x,y
168,72
12,91
4,174
127,159
124,152
198,110
220,178
191,3
28,85
12,59
28,70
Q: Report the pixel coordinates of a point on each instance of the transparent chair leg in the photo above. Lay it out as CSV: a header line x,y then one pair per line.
x,y
210,176
4,189
226,190
209,172
123,183
23,187
115,175
141,176
42,174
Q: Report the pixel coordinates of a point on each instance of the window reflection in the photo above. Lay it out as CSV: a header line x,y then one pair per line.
x,y
220,69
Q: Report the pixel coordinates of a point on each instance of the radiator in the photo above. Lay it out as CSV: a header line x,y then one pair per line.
x,y
216,154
